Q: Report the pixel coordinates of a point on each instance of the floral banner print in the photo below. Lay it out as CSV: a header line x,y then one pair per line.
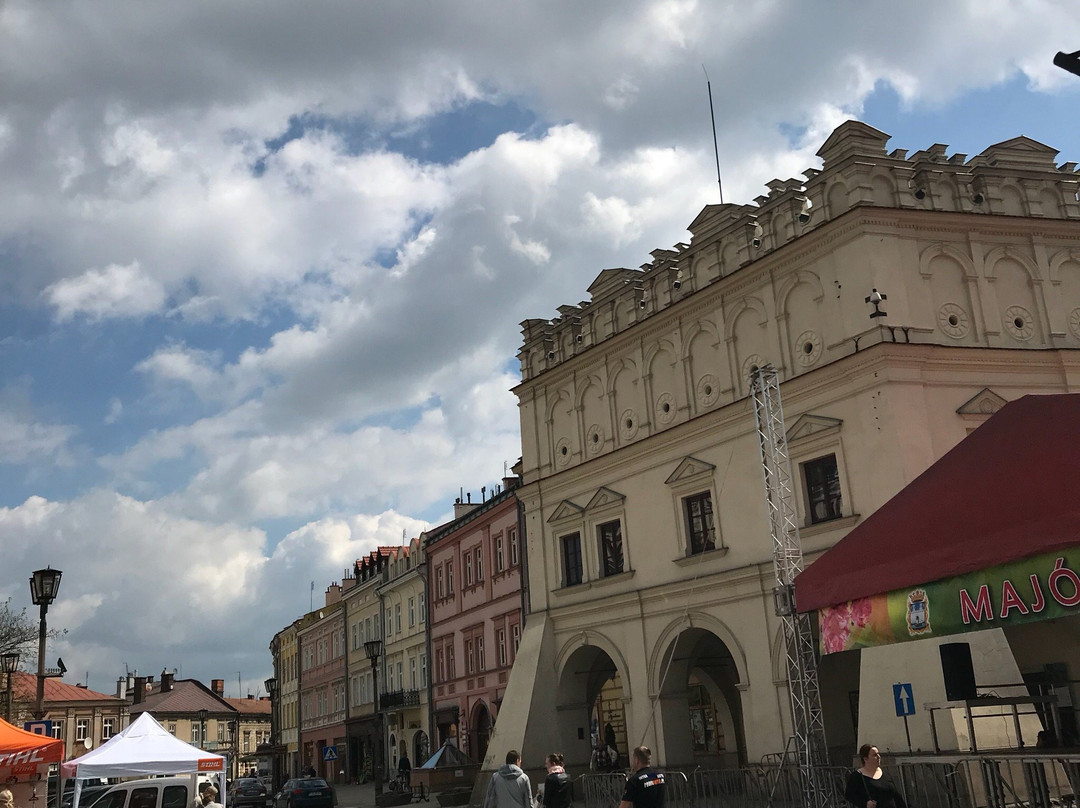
x,y
1036,588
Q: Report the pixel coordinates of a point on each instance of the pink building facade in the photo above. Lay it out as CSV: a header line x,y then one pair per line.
x,y
474,613
321,640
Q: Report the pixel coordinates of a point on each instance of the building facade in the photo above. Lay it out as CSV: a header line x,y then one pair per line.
x,y
365,731
404,698
650,570
82,718
321,646
474,611
285,653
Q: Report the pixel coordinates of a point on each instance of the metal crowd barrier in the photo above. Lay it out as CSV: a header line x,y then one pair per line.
x,y
756,787
990,781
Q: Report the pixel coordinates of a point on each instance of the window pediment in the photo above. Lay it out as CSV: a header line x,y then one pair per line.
x,y
566,510
688,469
984,403
809,425
605,497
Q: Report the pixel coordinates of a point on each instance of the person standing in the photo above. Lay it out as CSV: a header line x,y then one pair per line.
x,y
7,799
509,787
209,798
645,785
558,789
868,786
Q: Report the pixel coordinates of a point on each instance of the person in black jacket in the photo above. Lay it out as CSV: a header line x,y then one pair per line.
x,y
869,787
558,789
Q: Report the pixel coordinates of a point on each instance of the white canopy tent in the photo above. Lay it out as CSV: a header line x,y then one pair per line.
x,y
146,748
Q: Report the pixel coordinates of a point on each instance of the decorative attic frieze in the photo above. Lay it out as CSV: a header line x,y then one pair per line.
x,y
852,138
984,403
566,510
689,468
1019,152
809,425
611,280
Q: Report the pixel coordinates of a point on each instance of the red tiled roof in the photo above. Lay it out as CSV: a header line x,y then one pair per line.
x,y
24,688
251,706
186,696
1006,492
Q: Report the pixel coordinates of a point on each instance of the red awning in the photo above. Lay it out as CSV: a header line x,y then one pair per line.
x,y
1009,490
22,752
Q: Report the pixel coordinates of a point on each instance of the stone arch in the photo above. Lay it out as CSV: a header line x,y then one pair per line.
x,y
655,349
837,199
696,329
694,620
589,681
791,281
995,255
563,395
949,250
741,305
699,684
1060,259
1012,201
1050,202
883,190
584,386
729,257
480,724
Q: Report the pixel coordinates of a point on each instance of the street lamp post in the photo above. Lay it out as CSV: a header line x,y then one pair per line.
x,y
272,690
10,663
44,584
373,648
202,715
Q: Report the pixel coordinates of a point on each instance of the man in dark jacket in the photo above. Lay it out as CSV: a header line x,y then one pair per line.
x,y
509,786
645,785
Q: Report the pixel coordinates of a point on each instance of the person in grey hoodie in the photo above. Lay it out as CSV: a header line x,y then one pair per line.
x,y
509,786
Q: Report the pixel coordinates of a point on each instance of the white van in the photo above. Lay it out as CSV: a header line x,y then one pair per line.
x,y
156,792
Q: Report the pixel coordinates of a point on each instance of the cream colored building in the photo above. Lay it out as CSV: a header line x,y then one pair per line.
x,y
404,696
285,652
649,557
363,616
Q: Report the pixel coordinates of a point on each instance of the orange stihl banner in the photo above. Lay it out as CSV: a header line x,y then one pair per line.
x,y
211,764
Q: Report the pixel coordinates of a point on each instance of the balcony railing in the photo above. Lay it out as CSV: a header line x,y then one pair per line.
x,y
399,699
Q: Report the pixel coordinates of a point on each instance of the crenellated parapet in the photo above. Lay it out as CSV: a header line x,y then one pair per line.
x,y
1016,178
969,253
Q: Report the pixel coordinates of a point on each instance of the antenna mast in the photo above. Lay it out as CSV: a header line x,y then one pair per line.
x,y
809,724
716,149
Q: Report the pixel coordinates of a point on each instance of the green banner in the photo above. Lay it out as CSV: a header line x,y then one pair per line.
x,y
1036,588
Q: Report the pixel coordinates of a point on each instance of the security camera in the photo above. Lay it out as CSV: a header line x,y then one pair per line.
x,y
804,217
920,193
756,242
641,303
977,199
551,354
677,283
580,338
875,297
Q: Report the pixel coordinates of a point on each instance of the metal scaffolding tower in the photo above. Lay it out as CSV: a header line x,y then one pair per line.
x,y
809,726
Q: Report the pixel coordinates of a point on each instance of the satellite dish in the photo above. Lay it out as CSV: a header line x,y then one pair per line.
x,y
87,743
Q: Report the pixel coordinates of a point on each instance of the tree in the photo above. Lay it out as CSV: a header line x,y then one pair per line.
x,y
19,632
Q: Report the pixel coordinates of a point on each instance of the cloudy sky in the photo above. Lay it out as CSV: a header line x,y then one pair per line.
x,y
262,264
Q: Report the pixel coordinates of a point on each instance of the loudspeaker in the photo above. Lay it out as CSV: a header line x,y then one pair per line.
x,y
957,671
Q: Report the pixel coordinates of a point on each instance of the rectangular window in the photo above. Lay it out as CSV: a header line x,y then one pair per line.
x,y
221,731
82,729
397,617
439,582
822,479
440,665
611,549
500,642
499,554
400,676
480,663
423,670
470,663
412,673
108,727
196,733
423,607
389,624
172,728
412,612
571,557
511,539
451,668
247,740
450,577
468,568
479,564
699,523
515,631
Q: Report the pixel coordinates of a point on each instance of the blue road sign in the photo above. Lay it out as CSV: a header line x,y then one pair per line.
x,y
329,753
39,727
904,699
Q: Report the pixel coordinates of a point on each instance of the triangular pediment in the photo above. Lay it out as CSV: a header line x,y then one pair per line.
x,y
604,497
853,137
610,280
566,510
809,425
1019,152
984,403
689,468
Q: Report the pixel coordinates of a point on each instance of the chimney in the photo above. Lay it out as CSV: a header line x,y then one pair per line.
x,y
462,508
139,691
121,687
510,483
218,686
333,594
166,682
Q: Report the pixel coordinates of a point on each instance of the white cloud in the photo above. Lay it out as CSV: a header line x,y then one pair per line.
x,y
115,291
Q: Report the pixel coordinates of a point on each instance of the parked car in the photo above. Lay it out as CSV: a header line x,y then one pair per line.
x,y
305,792
87,797
248,791
158,792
